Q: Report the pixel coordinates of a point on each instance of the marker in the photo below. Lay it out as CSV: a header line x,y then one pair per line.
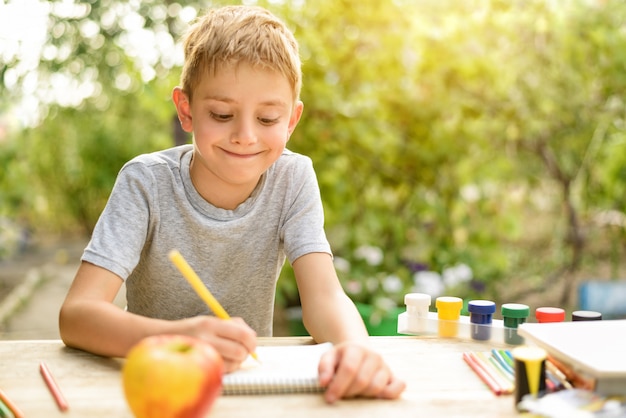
x,y
530,371
202,291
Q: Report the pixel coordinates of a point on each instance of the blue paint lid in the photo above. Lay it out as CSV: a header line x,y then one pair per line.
x,y
484,307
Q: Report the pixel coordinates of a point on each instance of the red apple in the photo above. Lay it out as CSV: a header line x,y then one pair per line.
x,y
172,376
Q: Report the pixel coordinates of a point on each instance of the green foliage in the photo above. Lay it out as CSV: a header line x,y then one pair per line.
x,y
66,167
488,134
437,128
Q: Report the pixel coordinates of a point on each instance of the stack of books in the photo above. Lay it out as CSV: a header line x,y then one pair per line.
x,y
591,354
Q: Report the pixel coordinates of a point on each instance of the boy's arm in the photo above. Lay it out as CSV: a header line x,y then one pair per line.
x,y
327,312
90,321
351,369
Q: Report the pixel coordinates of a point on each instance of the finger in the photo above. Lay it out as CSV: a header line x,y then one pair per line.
x,y
326,367
234,340
377,384
231,366
349,362
232,353
244,333
230,350
367,374
393,390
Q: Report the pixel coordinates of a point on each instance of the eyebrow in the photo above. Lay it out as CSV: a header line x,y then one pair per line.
x,y
226,99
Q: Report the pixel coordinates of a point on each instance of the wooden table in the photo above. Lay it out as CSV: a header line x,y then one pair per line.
x,y
439,383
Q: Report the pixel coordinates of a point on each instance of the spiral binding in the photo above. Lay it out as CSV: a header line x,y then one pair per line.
x,y
269,385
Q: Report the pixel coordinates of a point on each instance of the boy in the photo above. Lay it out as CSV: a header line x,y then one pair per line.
x,y
236,204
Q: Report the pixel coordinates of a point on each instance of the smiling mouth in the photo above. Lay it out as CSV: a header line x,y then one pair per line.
x,y
238,155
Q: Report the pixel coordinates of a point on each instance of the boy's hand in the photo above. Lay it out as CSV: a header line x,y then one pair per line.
x,y
232,338
351,369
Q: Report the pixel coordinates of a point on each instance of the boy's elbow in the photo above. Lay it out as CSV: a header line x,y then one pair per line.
x,y
67,324
63,325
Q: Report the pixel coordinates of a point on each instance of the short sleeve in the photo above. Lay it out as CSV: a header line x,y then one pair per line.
x,y
303,229
121,231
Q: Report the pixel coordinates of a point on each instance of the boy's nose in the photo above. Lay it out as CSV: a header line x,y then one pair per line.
x,y
244,134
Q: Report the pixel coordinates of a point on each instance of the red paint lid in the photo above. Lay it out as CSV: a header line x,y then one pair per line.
x,y
549,314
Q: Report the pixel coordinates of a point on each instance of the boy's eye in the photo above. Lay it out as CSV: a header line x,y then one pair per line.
x,y
220,117
268,121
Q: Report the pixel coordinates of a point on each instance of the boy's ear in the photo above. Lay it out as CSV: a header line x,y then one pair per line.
x,y
296,114
183,108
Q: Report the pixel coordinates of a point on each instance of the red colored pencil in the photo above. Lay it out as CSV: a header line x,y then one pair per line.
x,y
9,404
484,376
488,364
54,388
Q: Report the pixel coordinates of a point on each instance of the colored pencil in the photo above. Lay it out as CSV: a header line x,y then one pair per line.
x,y
496,368
506,381
552,383
502,361
5,412
491,366
17,413
53,387
483,374
505,358
509,377
575,379
508,357
558,374
202,291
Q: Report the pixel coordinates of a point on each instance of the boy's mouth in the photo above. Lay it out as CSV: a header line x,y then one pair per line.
x,y
242,155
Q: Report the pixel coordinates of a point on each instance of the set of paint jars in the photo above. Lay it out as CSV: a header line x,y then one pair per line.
x,y
447,321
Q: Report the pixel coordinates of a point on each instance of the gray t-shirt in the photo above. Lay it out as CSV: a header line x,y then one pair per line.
x,y
239,253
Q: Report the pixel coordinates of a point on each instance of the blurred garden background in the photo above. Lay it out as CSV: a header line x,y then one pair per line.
x,y
474,148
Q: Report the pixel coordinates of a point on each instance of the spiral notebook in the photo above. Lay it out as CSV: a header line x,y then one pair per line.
x,y
280,369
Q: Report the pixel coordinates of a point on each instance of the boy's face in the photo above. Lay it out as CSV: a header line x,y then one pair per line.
x,y
241,120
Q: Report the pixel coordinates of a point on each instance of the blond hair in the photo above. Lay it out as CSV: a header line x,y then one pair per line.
x,y
239,34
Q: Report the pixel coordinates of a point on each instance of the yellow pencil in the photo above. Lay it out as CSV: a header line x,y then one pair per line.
x,y
202,291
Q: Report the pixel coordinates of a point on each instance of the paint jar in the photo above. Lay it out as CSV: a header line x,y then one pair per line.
x,y
448,313
417,305
481,315
549,314
586,316
513,315
530,371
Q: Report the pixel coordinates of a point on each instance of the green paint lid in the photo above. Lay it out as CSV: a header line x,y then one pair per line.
x,y
515,310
